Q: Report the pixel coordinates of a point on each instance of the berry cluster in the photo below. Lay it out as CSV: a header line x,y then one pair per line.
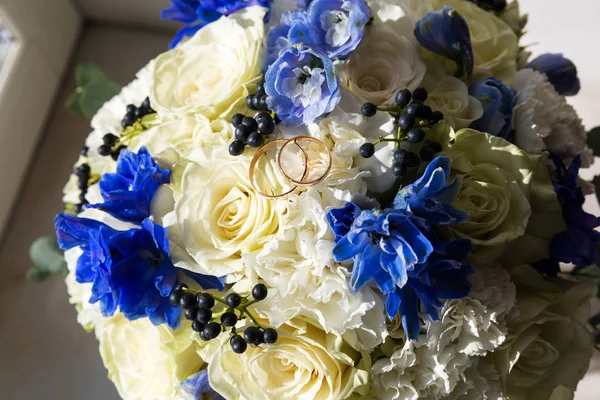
x,y
252,131
491,5
413,117
110,146
83,173
199,307
134,113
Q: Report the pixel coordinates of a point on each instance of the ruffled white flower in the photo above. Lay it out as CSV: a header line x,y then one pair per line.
x,y
387,59
544,121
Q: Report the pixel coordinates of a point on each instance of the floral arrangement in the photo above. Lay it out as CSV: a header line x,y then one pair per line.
x,y
336,199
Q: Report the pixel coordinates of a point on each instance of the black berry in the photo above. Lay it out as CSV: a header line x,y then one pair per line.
x,y
84,151
435,146
266,125
423,112
262,103
260,88
250,102
233,300
406,121
413,159
255,139
212,330
420,94
229,319
206,300
256,102
436,117
270,335
238,344
237,119
174,297
369,109
427,154
403,97
198,326
104,150
401,156
181,287
259,292
188,300
413,108
250,123
416,135
131,108
109,139
367,150
236,148
252,335
190,313
203,315
241,133
399,169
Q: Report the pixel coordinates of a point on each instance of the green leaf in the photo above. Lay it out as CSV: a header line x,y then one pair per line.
x,y
593,140
85,74
74,104
94,95
46,255
37,275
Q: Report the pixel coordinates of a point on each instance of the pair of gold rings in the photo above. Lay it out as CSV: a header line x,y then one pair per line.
x,y
305,180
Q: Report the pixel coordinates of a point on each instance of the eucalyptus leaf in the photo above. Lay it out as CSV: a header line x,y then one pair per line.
x,y
74,104
94,95
46,255
85,74
36,274
593,140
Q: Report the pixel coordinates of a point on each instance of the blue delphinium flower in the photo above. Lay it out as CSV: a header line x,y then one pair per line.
x,y
498,101
337,26
292,29
197,386
128,192
443,277
302,85
445,32
561,72
202,12
385,245
341,219
430,196
577,244
130,270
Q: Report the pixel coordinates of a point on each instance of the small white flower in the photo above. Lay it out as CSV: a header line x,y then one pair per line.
x,y
545,122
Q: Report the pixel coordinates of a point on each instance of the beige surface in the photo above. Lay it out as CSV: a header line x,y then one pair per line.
x,y
43,352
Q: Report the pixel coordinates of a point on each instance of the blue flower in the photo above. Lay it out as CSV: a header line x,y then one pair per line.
x,y
431,195
303,4
293,29
202,12
337,26
301,85
385,245
443,277
445,32
128,192
129,270
198,386
561,72
577,244
341,219
498,101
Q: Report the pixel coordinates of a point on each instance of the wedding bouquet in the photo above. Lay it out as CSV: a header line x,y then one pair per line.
x,y
337,199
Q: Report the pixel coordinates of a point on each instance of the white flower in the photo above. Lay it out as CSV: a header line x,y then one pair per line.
x,y
387,59
451,96
210,72
544,121
305,364
147,362
548,346
299,266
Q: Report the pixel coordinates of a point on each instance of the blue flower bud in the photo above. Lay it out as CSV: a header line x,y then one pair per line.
x,y
498,101
445,32
561,72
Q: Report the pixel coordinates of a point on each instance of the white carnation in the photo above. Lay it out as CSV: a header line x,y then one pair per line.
x,y
544,121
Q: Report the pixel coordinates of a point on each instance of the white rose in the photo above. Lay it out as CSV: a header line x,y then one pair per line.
x,y
387,59
179,138
451,96
145,361
305,364
306,281
210,73
544,121
548,346
495,45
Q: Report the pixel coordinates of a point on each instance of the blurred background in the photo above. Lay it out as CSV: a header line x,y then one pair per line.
x,y
44,353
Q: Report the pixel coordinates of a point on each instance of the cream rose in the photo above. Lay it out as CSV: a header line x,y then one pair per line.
x,y
305,364
451,96
496,184
495,45
145,361
210,73
385,62
218,215
548,348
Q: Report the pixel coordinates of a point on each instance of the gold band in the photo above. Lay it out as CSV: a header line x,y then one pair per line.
x,y
259,153
302,181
